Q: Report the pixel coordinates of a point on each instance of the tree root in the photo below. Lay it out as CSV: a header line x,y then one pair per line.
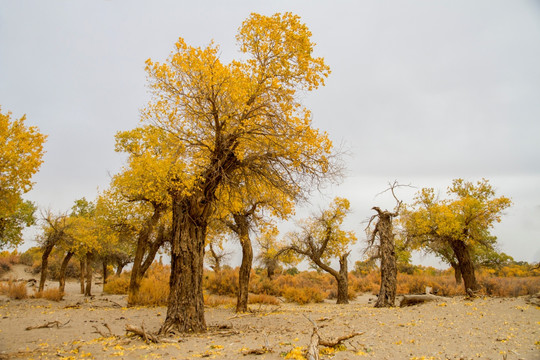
x,y
48,325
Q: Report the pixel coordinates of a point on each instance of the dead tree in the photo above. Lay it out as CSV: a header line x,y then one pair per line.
x,y
384,232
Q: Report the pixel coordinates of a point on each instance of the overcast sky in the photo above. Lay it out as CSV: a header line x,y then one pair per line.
x,y
420,91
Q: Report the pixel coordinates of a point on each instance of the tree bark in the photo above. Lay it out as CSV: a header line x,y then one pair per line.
x,y
465,264
387,291
457,273
247,260
185,310
44,265
104,263
119,268
89,273
271,269
343,280
63,267
142,245
341,276
83,273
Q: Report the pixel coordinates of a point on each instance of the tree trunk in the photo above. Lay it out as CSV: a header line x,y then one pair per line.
x,y
83,273
245,267
465,264
89,273
457,273
119,268
343,280
63,267
104,271
271,269
185,309
44,265
142,245
387,292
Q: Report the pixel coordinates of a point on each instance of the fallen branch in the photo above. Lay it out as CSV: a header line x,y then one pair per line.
x,y
410,300
339,340
139,331
48,325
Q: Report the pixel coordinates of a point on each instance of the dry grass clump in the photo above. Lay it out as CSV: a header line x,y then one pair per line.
x,y
154,290
14,290
263,299
117,285
509,286
49,294
303,295
7,260
224,282
219,300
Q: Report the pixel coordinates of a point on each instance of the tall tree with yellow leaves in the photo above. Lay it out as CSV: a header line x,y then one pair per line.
x,y
227,122
461,223
21,152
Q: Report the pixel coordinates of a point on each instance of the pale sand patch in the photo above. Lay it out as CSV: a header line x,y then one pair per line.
x,y
485,328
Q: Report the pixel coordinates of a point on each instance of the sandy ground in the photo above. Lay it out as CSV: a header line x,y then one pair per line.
x,y
486,328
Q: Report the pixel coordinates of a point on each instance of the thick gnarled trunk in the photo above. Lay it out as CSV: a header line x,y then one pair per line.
x,y
143,240
82,262
63,267
44,266
185,310
245,267
465,264
457,272
387,291
89,273
343,280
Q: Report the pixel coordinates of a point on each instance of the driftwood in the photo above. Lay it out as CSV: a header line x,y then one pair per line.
x,y
313,347
48,325
339,340
410,300
142,333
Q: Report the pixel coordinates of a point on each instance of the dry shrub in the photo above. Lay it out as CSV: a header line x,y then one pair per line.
x,y
224,282
303,295
509,287
117,284
14,290
364,284
154,290
219,300
263,299
49,294
263,285
5,265
444,285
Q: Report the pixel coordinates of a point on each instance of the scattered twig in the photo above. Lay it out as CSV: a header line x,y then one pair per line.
x,y
47,325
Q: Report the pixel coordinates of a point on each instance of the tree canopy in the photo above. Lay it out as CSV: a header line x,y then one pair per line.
x,y
21,152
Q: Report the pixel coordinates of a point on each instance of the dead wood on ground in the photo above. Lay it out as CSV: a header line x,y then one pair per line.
x,y
410,300
48,325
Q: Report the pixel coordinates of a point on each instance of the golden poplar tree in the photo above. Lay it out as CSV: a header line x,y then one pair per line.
x,y
226,122
459,224
21,152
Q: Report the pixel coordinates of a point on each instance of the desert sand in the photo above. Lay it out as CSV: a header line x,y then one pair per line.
x,y
94,328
